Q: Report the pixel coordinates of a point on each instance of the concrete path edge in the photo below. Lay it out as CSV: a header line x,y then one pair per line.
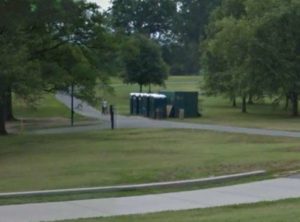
x,y
179,183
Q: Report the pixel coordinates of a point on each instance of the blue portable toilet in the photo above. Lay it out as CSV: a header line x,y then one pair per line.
x,y
158,106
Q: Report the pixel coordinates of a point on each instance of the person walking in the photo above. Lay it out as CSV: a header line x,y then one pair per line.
x,y
104,107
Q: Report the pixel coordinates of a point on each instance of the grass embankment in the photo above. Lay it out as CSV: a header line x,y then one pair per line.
x,y
46,106
29,162
215,110
287,210
46,112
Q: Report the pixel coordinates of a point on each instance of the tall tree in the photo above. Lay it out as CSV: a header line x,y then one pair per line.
x,y
143,62
150,18
252,49
189,27
31,32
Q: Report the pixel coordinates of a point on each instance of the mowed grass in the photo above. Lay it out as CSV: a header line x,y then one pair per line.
x,y
215,109
37,162
281,211
46,106
47,112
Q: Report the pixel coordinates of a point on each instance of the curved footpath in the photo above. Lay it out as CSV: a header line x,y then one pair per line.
x,y
268,190
140,122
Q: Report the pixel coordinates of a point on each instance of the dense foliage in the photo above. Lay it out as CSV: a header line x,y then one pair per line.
x,y
177,26
47,46
252,49
143,62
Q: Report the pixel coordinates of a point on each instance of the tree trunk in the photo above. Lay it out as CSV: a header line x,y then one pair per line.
x,y
294,98
234,101
2,113
287,101
141,88
244,104
149,89
250,100
9,108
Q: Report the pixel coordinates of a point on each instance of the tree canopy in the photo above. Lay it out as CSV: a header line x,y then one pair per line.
x,y
143,63
46,45
252,49
178,26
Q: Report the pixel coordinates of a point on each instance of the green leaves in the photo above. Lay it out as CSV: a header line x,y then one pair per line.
x,y
48,45
256,45
143,62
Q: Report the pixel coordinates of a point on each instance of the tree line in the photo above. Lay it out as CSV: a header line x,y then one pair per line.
x,y
252,50
178,26
245,49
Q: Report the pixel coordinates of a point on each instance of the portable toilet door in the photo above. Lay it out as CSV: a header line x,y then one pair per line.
x,y
134,105
131,104
158,106
148,106
145,108
139,105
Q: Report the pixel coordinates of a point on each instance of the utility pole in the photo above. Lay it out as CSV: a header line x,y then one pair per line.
x,y
112,116
72,104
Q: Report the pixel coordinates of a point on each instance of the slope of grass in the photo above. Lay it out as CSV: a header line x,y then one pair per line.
x,y
47,112
29,162
47,106
281,211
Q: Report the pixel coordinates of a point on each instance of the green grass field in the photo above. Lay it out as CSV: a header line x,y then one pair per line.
x,y
281,211
47,106
215,110
47,112
29,162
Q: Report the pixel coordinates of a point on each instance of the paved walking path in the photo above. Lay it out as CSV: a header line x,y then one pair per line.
x,y
269,190
140,122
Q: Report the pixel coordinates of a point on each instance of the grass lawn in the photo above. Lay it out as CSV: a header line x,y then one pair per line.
x,y
47,112
36,162
47,106
216,110
281,211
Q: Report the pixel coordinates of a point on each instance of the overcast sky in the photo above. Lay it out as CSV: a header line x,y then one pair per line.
x,y
104,4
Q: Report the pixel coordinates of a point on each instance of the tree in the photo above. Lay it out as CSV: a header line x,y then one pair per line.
x,y
189,28
252,49
32,32
143,62
236,73
150,18
279,49
178,26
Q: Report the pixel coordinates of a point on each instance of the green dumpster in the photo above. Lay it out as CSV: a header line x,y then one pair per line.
x,y
187,101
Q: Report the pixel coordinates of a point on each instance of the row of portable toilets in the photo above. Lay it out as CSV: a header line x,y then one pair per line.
x,y
164,104
148,104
